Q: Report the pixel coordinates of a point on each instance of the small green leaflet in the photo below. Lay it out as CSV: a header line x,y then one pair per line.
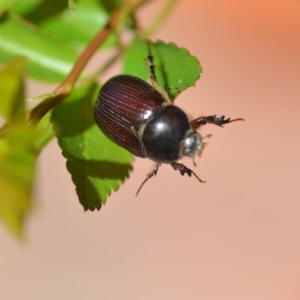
x,y
18,150
174,66
77,26
12,106
96,164
17,166
46,60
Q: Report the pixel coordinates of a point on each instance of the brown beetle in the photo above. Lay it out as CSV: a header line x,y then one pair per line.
x,y
140,117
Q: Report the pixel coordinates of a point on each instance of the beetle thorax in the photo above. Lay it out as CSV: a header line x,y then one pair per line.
x,y
168,136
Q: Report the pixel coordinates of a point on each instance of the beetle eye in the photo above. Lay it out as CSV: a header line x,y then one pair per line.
x,y
192,144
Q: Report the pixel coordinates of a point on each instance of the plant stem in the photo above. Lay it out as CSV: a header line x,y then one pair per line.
x,y
144,34
64,90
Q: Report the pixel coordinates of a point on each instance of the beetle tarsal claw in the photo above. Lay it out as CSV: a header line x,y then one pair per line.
x,y
213,119
184,170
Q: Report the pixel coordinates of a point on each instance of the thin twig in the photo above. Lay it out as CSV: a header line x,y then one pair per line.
x,y
64,90
144,34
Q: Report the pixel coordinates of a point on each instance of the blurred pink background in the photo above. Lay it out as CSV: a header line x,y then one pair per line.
x,y
235,237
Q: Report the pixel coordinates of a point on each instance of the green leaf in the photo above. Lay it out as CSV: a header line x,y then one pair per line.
x,y
47,133
77,27
174,67
49,58
6,5
12,107
37,10
17,164
19,147
80,26
24,7
97,165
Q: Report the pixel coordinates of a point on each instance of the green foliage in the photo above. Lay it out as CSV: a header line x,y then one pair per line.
x,y
12,107
46,61
17,163
18,149
174,67
5,5
49,41
49,34
96,164
76,27
46,133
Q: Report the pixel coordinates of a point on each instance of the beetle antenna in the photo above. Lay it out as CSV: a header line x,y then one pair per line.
x,y
150,63
184,170
151,174
194,161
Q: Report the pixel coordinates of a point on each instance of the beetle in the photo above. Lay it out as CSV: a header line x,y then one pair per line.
x,y
140,117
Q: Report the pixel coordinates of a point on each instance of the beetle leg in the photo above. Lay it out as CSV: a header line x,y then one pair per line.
x,y
184,170
212,120
152,80
151,174
150,64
